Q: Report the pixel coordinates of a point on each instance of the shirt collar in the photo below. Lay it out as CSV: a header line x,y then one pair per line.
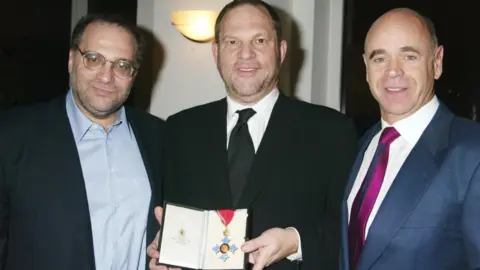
x,y
80,123
412,127
262,108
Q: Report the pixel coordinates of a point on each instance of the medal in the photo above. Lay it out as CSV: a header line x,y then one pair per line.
x,y
226,215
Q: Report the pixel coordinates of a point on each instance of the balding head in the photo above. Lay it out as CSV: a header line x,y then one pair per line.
x,y
403,58
405,15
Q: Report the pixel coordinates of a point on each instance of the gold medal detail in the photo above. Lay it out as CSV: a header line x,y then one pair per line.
x,y
224,248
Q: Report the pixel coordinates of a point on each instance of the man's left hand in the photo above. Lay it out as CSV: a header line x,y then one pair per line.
x,y
270,247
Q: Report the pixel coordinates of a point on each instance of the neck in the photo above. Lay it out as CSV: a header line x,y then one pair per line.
x,y
250,100
105,121
393,118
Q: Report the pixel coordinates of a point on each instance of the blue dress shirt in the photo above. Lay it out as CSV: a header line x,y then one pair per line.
x,y
117,186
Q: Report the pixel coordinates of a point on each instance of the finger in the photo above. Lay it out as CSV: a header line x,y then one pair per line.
x,y
159,214
153,265
251,258
153,252
261,259
253,244
152,249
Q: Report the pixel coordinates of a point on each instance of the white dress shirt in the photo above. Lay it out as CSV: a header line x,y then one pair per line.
x,y
257,124
410,129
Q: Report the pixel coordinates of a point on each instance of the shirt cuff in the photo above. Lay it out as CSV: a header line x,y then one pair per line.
x,y
298,255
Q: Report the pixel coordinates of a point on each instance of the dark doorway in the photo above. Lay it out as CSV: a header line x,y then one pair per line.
x,y
125,8
454,21
33,51
34,47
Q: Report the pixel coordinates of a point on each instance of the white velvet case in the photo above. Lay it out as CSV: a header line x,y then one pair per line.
x,y
194,238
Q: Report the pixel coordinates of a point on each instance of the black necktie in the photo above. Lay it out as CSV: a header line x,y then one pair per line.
x,y
240,154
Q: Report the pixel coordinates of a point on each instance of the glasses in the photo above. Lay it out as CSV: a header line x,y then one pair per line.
x,y
95,61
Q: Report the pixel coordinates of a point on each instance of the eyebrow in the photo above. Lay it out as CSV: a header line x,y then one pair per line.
x,y
125,59
403,49
257,35
409,49
376,52
132,62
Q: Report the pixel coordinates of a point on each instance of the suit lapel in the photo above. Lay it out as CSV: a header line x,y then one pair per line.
x,y
67,178
358,162
409,186
365,142
215,142
138,130
273,138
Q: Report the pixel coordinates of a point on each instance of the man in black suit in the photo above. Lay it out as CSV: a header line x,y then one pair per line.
x,y
78,174
286,160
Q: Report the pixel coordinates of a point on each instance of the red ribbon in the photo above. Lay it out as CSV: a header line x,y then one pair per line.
x,y
226,215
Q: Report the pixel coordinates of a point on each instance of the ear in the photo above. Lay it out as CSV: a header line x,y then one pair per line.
x,y
71,56
215,51
283,50
365,61
438,62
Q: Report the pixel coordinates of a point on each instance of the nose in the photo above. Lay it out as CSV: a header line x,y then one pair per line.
x,y
246,51
105,74
395,68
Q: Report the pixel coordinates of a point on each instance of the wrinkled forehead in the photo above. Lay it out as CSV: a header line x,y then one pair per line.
x,y
109,39
247,18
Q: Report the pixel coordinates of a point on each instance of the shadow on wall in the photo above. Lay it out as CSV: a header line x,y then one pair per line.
x,y
292,65
359,102
149,73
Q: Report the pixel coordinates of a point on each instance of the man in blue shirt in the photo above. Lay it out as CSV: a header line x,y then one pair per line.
x,y
79,175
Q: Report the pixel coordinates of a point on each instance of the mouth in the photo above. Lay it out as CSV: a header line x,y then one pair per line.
x,y
103,91
395,89
246,71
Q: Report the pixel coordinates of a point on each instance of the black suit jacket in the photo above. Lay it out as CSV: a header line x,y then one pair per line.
x,y
297,178
44,215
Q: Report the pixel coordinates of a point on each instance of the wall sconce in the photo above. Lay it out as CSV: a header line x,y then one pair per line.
x,y
196,25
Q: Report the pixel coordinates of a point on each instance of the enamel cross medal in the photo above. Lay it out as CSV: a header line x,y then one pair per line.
x,y
226,215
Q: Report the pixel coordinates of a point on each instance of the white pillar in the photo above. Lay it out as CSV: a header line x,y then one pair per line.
x,y
79,9
321,32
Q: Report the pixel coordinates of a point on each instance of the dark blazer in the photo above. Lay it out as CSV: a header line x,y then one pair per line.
x,y
430,218
297,178
44,215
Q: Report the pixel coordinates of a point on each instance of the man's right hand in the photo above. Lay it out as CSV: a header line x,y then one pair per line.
x,y
152,249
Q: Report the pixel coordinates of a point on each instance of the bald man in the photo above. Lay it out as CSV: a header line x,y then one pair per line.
x,y
413,197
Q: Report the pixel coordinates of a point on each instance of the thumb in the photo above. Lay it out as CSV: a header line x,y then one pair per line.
x,y
252,245
159,214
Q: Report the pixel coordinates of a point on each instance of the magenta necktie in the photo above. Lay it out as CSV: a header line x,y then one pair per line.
x,y
367,195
